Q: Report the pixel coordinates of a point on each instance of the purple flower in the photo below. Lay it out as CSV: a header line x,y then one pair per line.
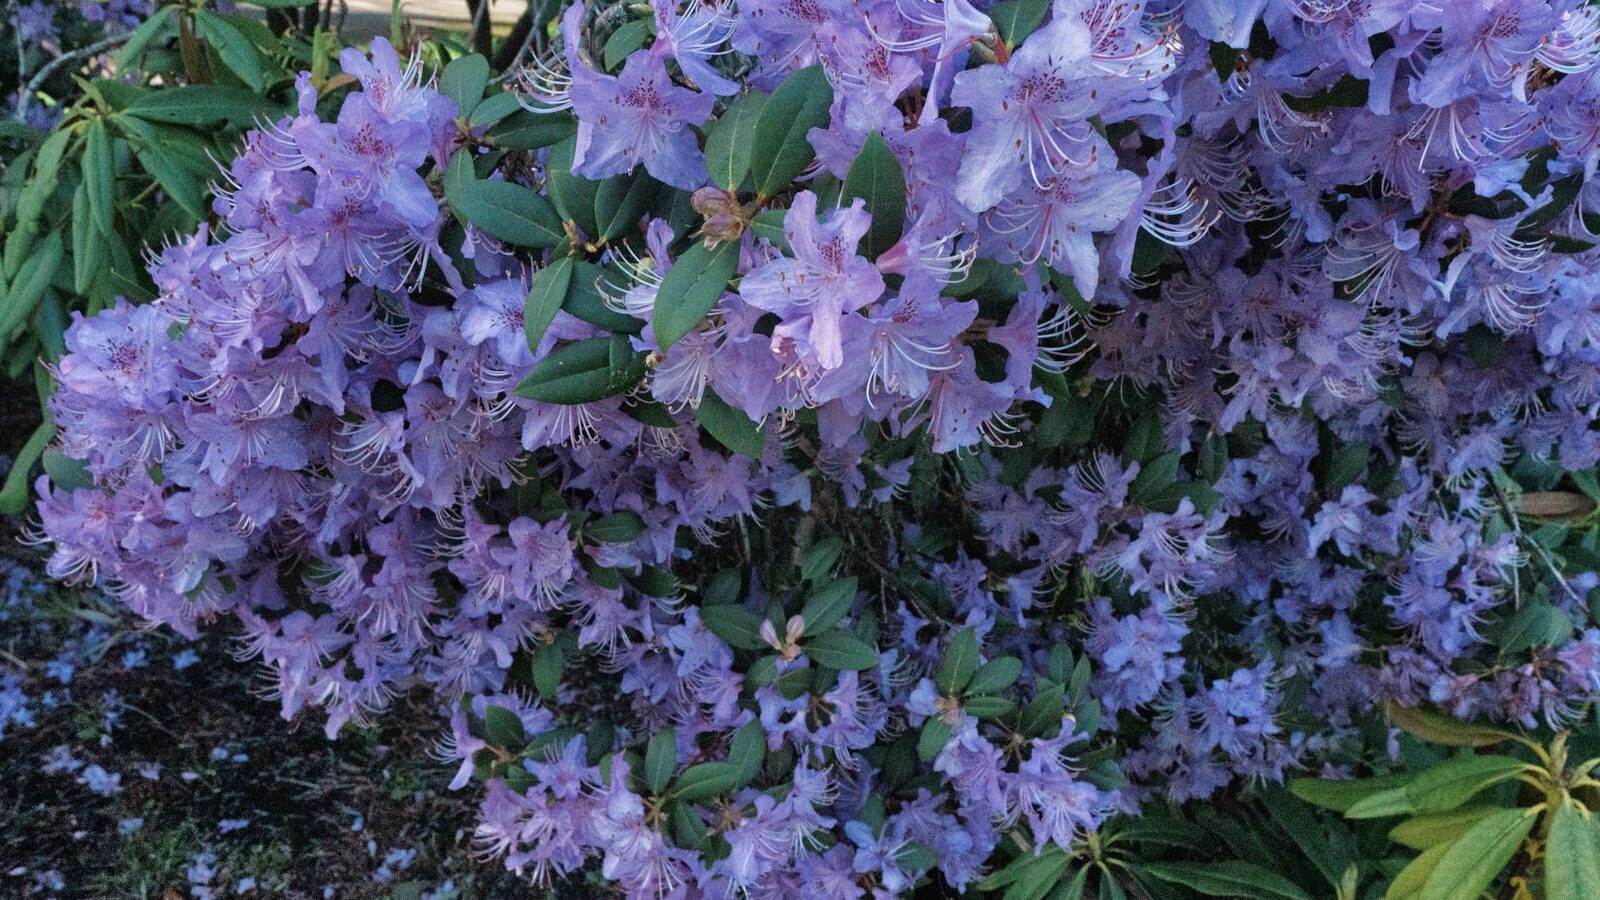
x,y
639,116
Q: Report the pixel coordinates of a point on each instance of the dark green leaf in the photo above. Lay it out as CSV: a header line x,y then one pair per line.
x,y
691,288
731,427
148,30
661,759
737,626
583,372
1014,20
729,143
463,81
620,202
707,780
203,104
935,734
748,750
995,675
959,663
503,728
507,211
546,669
586,302
630,37
617,528
827,604
525,130
1042,717
819,559
1233,878
838,650
494,109
572,194
237,52
876,177
99,178
781,149
1536,624
545,297
988,706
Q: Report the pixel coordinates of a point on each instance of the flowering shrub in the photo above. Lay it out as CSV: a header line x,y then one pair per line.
x,y
819,448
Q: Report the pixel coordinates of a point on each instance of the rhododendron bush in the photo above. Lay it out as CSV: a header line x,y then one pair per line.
x,y
839,449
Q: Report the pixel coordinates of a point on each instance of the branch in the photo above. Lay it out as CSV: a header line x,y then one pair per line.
x,y
50,68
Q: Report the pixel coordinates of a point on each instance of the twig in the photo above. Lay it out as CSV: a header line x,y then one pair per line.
x,y
50,68
1538,548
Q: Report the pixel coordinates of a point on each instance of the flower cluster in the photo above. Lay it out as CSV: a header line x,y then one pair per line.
x,y
1205,375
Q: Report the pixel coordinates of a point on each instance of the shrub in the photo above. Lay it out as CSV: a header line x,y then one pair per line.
x,y
813,448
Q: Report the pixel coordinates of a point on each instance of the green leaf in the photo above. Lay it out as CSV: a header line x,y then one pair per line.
x,y
174,177
661,759
620,202
14,494
838,650
1014,20
617,528
1408,884
1038,875
494,109
688,829
507,211
781,149
99,178
691,288
88,244
737,626
1536,624
463,81
584,301
625,40
33,278
237,52
148,30
935,734
525,130
1437,729
1341,795
959,663
572,194
1233,878
748,750
731,427
1572,855
66,473
819,559
546,667
995,675
503,728
1472,862
584,371
1456,780
1347,464
1154,476
203,104
545,297
1428,831
707,780
876,177
988,706
827,604
1042,717
731,139
1072,889
1382,805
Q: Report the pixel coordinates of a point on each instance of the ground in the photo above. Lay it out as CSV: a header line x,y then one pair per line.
x,y
134,764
